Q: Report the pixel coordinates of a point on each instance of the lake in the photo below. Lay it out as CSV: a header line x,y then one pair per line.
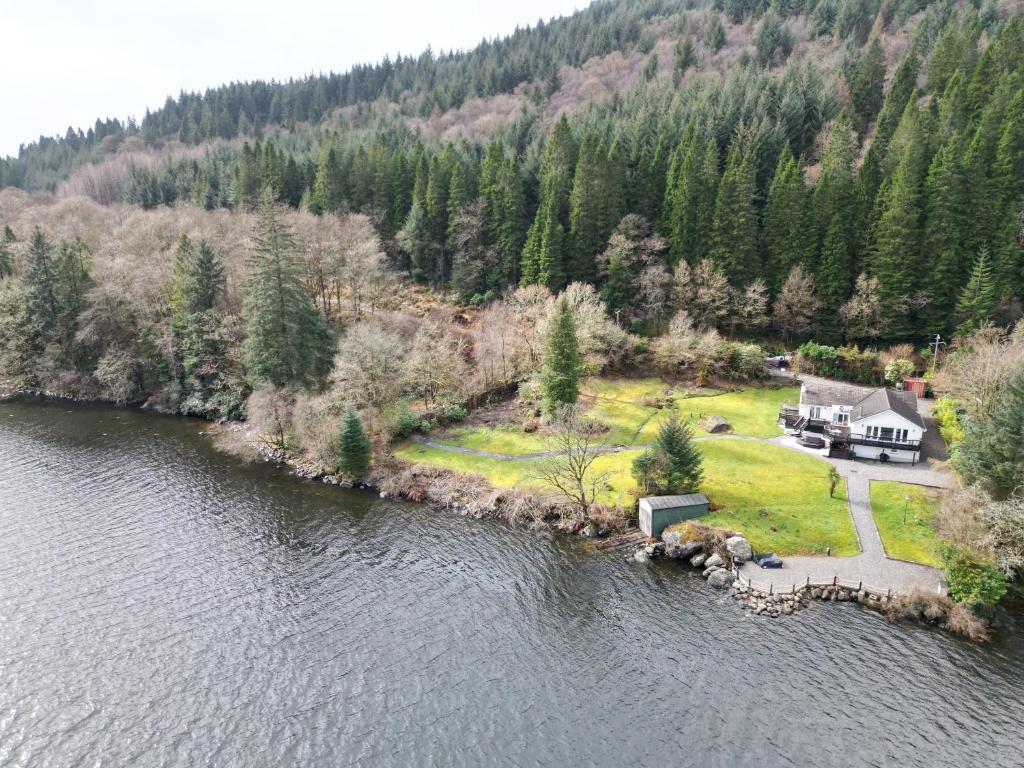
x,y
162,604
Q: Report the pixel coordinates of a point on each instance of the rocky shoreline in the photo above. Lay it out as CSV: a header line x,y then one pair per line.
x,y
719,558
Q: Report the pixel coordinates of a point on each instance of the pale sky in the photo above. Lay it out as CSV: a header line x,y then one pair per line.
x,y
67,62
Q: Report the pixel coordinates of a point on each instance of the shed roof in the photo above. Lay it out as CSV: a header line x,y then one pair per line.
x,y
671,502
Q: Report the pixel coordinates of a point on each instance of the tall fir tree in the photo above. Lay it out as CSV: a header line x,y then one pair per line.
x,y
354,445
679,462
734,232
287,343
560,374
977,302
789,230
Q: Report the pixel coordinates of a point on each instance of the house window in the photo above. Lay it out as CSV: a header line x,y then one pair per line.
x,y
872,433
842,418
901,435
815,411
887,433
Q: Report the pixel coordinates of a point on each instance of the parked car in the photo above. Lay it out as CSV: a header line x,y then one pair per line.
x,y
768,560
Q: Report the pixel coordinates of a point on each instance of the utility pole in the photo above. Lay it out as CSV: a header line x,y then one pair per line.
x,y
935,345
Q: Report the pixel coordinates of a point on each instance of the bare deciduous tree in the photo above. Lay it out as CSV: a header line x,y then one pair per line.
x,y
573,447
796,307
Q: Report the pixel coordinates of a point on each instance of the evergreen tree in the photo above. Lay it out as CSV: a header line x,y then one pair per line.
x,y
679,467
867,85
977,301
992,452
690,194
591,209
6,257
896,256
789,232
354,445
561,372
946,233
40,281
715,37
734,233
287,343
329,186
545,253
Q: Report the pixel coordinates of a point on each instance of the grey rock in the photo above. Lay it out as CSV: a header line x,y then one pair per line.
x,y
714,561
671,538
682,551
590,530
649,549
698,560
739,548
721,579
641,556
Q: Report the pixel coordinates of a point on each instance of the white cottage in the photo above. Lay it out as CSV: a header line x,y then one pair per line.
x,y
860,422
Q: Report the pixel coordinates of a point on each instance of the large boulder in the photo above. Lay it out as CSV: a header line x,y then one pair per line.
x,y
697,560
715,425
715,561
739,548
641,555
678,549
721,579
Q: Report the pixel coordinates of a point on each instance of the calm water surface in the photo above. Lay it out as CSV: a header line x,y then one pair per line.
x,y
164,605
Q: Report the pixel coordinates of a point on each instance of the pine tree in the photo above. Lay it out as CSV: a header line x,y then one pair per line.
x,y
715,37
868,81
946,233
789,232
679,462
41,289
896,255
545,254
589,209
690,194
734,234
978,299
6,257
416,241
329,186
991,452
561,372
287,343
354,445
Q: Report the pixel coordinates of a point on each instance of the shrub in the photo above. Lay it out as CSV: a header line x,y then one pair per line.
x,y
971,578
406,420
453,412
948,416
921,605
898,369
819,359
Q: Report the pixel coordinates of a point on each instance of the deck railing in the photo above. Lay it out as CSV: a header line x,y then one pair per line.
x,y
809,583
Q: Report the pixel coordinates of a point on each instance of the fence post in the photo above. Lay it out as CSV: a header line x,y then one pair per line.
x,y
771,590
808,582
835,580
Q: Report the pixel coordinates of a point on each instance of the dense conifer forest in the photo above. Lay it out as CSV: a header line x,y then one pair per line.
x,y
850,171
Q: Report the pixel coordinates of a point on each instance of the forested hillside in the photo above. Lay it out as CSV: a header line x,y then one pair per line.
x,y
850,171
846,138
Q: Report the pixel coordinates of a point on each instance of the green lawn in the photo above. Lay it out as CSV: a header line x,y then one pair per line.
x,y
629,408
915,540
776,496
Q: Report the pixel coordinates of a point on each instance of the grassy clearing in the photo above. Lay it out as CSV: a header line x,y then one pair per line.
x,y
915,541
775,496
778,498
629,408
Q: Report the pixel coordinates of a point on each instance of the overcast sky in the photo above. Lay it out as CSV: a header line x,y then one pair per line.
x,y
67,62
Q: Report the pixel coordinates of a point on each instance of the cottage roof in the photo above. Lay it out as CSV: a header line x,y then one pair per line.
x,y
820,392
671,502
901,403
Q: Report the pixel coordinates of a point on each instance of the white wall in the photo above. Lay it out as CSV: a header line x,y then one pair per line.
x,y
887,419
873,452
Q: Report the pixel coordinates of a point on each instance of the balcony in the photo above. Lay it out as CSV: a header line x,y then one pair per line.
x,y
839,434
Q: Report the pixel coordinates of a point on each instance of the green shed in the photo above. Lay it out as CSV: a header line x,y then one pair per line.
x,y
659,512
